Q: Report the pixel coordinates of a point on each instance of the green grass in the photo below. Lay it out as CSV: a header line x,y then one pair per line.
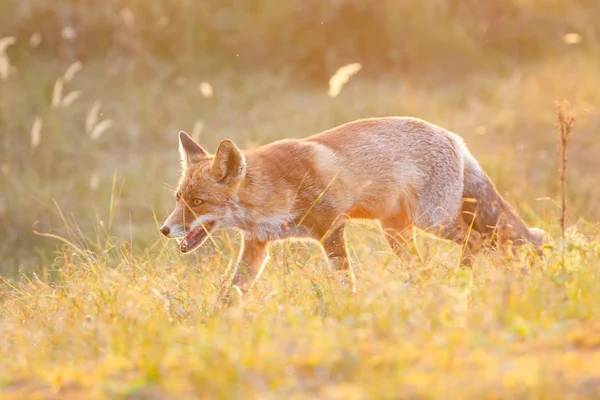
x,y
96,304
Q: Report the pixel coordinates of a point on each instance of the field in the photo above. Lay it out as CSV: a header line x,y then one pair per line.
x,y
94,303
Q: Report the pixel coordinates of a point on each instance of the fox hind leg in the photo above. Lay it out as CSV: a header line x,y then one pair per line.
x,y
441,216
334,245
459,232
438,209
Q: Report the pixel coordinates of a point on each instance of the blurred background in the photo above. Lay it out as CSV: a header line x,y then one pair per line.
x,y
93,94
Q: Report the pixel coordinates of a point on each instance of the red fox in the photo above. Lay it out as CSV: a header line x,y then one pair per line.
x,y
403,172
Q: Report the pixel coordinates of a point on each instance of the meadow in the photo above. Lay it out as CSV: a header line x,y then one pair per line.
x,y
95,303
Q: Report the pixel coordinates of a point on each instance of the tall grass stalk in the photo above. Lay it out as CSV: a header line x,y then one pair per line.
x,y
564,124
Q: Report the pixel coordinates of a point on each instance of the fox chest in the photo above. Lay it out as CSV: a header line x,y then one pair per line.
x,y
276,228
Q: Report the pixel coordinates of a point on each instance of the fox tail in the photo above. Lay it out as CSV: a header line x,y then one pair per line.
x,y
487,212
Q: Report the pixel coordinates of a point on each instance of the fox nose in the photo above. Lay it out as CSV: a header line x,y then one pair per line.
x,y
165,230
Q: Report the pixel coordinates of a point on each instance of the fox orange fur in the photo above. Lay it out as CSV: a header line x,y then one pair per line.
x,y
403,172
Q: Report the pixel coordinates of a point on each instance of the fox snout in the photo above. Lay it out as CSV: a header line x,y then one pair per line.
x,y
165,230
173,231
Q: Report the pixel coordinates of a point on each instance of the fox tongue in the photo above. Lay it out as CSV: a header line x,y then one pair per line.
x,y
191,239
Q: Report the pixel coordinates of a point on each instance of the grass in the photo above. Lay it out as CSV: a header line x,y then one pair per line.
x,y
502,117
123,325
94,303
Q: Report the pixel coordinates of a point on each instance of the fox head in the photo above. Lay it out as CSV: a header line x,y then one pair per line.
x,y
207,195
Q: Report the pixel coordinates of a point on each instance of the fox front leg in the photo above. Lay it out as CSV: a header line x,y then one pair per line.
x,y
248,268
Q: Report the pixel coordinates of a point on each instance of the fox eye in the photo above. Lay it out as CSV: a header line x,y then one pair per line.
x,y
197,202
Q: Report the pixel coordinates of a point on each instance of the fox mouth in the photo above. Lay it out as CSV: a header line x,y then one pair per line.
x,y
195,237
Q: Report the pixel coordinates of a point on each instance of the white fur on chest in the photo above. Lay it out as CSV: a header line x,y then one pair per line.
x,y
276,227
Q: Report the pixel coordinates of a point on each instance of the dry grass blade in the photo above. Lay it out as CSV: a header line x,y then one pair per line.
x,y
69,33
572,38
92,117
564,124
70,98
206,90
36,132
100,129
128,17
197,131
5,42
35,40
94,181
166,302
57,93
341,77
71,71
5,67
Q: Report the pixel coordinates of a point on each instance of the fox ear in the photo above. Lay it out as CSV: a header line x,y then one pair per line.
x,y
229,164
189,150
